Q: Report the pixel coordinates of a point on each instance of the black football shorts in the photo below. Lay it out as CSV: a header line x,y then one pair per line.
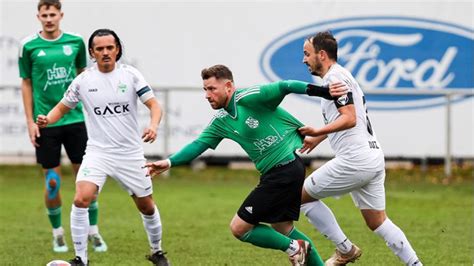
x,y
72,136
277,198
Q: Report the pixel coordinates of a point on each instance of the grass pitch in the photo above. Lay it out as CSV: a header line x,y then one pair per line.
x,y
197,206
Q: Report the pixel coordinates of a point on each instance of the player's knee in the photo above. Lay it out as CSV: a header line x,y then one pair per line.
x,y
148,209
236,232
53,183
374,222
237,229
81,201
145,205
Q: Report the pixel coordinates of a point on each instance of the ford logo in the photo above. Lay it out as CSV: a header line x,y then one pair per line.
x,y
385,53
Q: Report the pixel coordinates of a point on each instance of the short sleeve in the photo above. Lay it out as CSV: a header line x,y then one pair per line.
x,y
24,63
81,59
333,78
346,99
142,88
72,95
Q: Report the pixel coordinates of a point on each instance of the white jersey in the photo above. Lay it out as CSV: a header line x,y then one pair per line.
x,y
358,146
110,100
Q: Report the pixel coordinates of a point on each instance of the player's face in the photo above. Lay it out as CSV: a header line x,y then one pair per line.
x,y
218,92
50,17
104,50
312,59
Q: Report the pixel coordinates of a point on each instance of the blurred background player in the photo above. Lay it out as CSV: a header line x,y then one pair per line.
x,y
49,60
359,165
109,92
268,134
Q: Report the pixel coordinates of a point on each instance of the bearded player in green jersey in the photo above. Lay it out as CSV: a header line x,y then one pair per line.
x,y
269,134
48,61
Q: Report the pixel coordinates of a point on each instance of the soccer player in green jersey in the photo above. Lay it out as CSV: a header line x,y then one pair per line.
x,y
269,134
48,61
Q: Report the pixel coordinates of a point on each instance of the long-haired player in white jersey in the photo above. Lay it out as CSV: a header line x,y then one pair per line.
x,y
359,165
109,92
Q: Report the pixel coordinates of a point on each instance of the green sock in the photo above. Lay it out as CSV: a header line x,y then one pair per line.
x,y
266,237
54,215
93,213
314,258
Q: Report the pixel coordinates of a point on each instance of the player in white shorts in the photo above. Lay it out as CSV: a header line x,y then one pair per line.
x,y
109,92
358,168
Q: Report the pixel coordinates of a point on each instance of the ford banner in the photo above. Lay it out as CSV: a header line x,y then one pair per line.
x,y
385,53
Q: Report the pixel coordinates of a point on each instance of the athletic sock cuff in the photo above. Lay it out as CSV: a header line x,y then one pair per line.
x,y
94,205
245,236
79,210
54,211
381,230
149,217
291,231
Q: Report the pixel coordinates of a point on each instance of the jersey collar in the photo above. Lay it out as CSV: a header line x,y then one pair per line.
x,y
231,108
50,40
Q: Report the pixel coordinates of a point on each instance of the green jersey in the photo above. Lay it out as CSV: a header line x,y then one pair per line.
x,y
253,119
51,65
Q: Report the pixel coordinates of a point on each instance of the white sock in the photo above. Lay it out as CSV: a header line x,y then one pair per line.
x,y
293,248
79,229
58,231
397,242
322,218
152,224
93,230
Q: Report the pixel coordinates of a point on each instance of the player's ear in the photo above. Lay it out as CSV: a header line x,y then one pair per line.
x,y
91,54
228,84
323,54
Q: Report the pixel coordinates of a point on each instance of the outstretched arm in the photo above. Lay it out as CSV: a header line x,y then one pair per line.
x,y
53,116
149,134
334,90
185,155
327,92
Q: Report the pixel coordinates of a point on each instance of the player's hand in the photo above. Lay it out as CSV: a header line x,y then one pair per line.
x,y
338,89
158,167
308,131
149,135
34,133
42,121
309,144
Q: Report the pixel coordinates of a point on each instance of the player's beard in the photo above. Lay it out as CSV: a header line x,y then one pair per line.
x,y
317,69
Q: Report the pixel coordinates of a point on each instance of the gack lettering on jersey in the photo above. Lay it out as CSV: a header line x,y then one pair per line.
x,y
385,53
112,110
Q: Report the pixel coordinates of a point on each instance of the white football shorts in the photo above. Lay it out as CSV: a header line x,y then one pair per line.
x,y
336,178
127,170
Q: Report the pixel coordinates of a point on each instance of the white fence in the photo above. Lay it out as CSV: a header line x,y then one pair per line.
x,y
186,113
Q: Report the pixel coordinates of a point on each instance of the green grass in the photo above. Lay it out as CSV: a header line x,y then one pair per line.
x,y
196,208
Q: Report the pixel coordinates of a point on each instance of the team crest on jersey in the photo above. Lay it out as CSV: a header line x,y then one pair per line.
x,y
67,50
343,100
251,122
122,87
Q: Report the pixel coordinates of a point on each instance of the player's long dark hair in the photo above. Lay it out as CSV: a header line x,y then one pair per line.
x,y
105,32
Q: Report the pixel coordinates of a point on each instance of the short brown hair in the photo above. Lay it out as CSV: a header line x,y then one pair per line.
x,y
325,41
217,71
49,3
